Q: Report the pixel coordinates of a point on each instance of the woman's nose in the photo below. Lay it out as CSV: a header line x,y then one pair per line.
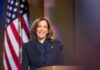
x,y
42,28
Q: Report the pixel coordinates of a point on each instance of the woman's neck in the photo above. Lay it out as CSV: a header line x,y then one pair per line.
x,y
42,40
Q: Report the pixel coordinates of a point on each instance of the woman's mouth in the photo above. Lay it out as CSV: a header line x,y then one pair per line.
x,y
42,33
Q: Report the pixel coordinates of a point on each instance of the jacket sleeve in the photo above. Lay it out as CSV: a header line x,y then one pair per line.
x,y
25,61
61,59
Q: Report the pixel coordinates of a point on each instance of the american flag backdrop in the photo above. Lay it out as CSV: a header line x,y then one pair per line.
x,y
16,33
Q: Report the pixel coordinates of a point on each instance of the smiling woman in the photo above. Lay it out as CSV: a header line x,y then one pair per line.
x,y
42,50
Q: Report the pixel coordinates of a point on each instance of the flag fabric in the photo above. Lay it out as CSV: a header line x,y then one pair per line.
x,y
16,33
2,4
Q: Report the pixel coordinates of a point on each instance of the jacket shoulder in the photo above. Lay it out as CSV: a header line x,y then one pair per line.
x,y
58,42
28,44
25,44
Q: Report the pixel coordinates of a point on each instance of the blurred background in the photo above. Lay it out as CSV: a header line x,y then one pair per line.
x,y
78,27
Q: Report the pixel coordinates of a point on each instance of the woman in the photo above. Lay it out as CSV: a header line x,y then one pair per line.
x,y
43,50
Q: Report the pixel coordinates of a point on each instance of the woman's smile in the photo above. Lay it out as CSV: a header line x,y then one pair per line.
x,y
42,33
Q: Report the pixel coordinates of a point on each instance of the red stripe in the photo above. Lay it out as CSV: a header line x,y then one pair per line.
x,y
15,58
23,24
16,35
7,61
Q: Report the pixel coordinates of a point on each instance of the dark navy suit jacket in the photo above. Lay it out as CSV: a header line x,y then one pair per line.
x,y
33,59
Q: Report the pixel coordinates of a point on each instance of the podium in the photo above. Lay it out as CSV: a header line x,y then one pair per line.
x,y
60,68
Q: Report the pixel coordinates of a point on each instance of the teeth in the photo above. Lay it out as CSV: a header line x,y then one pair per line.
x,y
41,33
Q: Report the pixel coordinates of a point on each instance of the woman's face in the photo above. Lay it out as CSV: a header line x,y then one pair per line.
x,y
42,29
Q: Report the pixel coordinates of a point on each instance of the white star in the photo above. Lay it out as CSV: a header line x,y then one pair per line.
x,y
16,3
8,1
9,14
15,9
13,16
22,6
12,2
23,0
8,20
10,8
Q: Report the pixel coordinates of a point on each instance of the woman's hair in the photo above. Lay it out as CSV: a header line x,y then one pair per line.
x,y
34,26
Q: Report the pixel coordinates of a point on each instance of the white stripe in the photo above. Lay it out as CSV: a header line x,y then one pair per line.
x,y
26,20
17,24
9,56
13,40
4,62
24,36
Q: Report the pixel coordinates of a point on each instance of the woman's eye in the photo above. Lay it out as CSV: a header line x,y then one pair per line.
x,y
45,26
